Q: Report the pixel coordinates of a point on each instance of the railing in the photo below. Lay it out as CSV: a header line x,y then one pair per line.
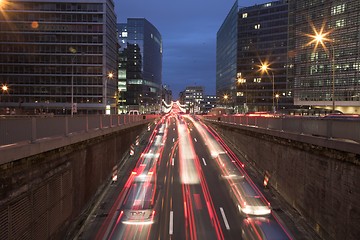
x,y
30,129
341,128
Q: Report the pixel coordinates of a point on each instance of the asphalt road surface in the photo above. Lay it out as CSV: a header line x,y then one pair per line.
x,y
184,182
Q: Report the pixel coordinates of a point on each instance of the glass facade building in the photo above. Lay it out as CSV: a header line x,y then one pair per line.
x,y
250,37
263,40
53,53
226,54
327,75
140,65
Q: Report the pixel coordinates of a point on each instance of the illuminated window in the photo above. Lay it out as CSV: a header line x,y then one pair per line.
x,y
267,5
239,94
338,9
314,56
244,15
340,23
257,26
257,80
124,34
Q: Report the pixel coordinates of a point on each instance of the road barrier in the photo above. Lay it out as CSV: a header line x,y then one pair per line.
x,y
30,129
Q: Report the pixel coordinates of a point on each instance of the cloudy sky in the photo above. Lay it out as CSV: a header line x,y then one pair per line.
x,y
188,29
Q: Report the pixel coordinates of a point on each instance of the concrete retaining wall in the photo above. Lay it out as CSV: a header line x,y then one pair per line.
x,y
42,194
323,184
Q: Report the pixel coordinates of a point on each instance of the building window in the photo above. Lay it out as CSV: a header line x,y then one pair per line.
x,y
257,80
267,5
257,26
338,9
239,94
244,15
340,23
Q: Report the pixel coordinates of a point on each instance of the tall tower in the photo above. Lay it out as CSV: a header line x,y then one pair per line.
x,y
141,51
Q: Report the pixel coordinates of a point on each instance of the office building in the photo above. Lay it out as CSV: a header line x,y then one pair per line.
x,y
260,36
208,103
226,54
327,73
55,53
192,97
140,65
166,94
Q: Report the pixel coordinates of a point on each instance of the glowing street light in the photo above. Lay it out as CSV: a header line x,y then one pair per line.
x,y
4,87
265,68
320,38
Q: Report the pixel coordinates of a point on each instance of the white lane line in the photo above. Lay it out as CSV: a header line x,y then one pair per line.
x,y
171,223
172,162
224,217
195,139
173,139
203,159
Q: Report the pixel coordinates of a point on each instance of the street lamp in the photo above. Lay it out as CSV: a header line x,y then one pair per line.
x,y
265,68
226,98
110,75
320,38
73,51
4,89
3,4
277,96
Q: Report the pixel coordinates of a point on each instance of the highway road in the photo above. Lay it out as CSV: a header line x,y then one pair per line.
x,y
187,184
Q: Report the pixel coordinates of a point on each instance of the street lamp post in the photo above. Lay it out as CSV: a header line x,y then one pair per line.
x,y
265,68
226,98
110,75
277,96
320,38
73,51
333,76
4,89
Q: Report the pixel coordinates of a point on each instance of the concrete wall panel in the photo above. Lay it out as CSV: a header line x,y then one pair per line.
x,y
323,184
42,194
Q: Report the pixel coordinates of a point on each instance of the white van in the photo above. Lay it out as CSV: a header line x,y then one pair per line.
x,y
134,112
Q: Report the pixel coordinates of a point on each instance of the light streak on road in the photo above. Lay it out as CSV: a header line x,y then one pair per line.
x,y
135,211
195,218
188,173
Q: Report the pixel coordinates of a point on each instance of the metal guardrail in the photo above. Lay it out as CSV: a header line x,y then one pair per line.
x,y
30,129
342,128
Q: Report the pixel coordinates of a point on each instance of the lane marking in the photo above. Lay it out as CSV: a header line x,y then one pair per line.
x,y
173,139
171,223
224,218
195,139
203,159
172,162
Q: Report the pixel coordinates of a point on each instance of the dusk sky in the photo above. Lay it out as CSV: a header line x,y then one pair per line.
x,y
188,29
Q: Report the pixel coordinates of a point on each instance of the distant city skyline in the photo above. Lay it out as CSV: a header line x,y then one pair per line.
x,y
188,29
